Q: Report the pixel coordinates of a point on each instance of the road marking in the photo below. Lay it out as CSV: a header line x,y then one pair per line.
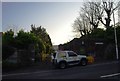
x,y
23,73
15,74
110,75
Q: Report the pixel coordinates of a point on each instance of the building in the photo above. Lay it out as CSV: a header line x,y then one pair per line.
x,y
94,47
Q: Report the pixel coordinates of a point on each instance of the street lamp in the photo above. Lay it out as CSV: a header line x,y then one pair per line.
x,y
115,37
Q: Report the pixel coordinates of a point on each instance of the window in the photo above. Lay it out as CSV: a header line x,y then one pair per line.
x,y
72,54
61,54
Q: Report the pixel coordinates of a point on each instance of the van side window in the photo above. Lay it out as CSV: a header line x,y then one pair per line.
x,y
61,54
72,54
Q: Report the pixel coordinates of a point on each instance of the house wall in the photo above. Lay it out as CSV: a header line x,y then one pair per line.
x,y
85,46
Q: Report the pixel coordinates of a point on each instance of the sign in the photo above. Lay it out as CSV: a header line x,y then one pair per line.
x,y
100,43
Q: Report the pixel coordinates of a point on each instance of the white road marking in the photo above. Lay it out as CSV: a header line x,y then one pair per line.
x,y
23,73
14,74
110,75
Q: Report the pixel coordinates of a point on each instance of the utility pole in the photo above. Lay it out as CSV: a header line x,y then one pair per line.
x,y
115,37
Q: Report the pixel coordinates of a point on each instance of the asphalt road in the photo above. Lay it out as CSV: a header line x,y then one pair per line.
x,y
109,70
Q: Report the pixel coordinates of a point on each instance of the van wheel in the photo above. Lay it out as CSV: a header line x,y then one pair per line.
x,y
62,65
83,62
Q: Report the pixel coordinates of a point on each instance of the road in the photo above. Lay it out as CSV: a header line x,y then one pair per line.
x,y
109,70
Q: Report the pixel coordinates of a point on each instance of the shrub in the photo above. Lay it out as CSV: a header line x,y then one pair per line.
x,y
90,59
8,66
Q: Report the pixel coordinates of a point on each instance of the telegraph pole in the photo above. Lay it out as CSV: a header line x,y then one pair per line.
x,y
115,37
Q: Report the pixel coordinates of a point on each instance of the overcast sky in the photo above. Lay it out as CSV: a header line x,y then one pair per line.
x,y
56,17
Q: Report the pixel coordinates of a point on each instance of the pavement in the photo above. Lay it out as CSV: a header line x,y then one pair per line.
x,y
38,66
105,70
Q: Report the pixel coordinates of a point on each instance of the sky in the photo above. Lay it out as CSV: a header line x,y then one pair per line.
x,y
44,0
56,17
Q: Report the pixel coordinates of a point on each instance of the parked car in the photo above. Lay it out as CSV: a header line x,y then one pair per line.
x,y
62,59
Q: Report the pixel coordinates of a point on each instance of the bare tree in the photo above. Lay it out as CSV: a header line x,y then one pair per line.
x,y
77,26
88,18
92,12
81,25
108,8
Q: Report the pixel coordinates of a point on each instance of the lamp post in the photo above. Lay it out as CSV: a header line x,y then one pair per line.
x,y
115,37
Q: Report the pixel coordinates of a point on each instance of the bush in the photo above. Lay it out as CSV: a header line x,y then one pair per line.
x,y
90,59
9,52
8,66
46,58
110,52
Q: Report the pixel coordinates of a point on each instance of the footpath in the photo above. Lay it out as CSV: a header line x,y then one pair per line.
x,y
36,67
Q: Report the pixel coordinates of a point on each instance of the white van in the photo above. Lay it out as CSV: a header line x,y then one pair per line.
x,y
62,59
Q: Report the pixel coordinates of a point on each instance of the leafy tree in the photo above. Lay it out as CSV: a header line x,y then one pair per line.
x,y
39,49
8,37
24,39
97,33
38,37
46,43
7,44
109,35
41,33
